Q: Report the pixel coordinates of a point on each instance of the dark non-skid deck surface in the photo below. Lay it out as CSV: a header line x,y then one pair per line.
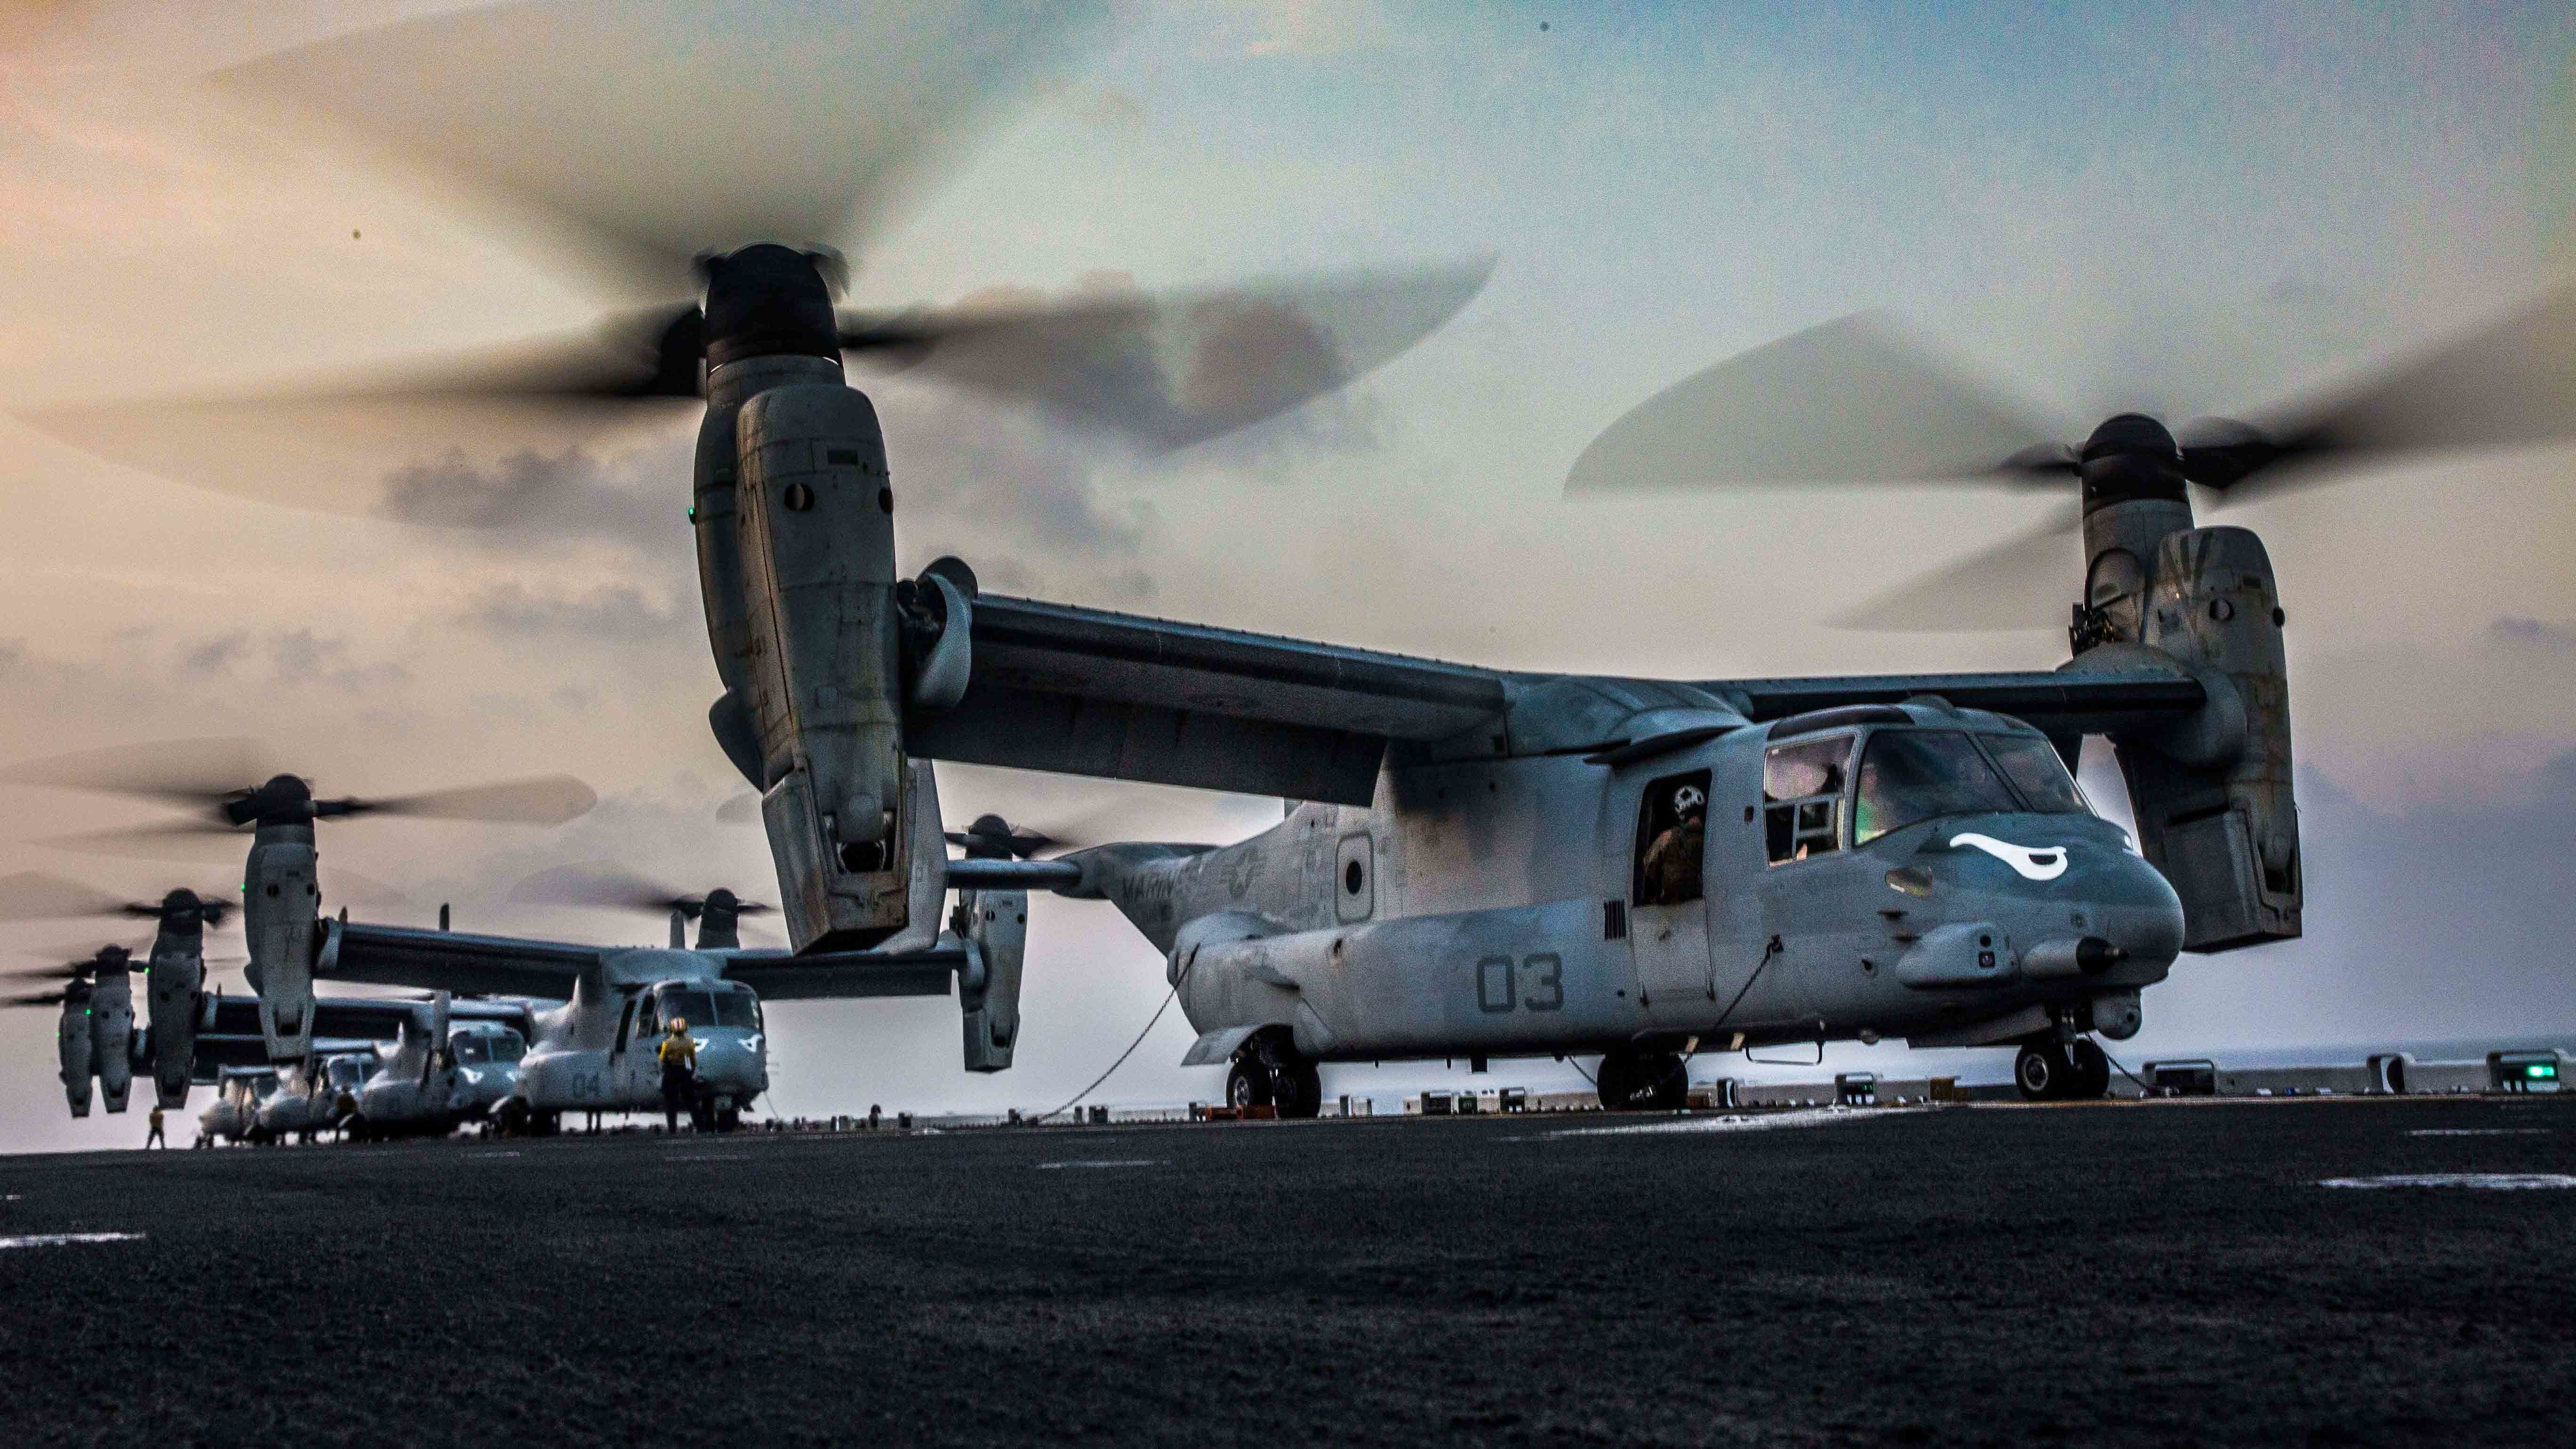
x,y
2167,1274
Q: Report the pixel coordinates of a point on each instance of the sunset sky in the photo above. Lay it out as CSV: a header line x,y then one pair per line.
x,y
2186,208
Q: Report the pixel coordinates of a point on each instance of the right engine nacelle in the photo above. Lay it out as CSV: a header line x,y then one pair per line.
x,y
2212,795
998,923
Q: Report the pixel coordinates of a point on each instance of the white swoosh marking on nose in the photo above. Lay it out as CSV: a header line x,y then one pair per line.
x,y
2028,862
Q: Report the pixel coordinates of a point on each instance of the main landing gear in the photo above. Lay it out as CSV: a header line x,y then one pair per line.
x,y
1267,1072
2049,1070
1643,1081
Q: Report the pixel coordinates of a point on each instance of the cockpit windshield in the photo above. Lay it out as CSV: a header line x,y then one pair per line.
x,y
472,1048
508,1046
348,1071
1911,775
2037,773
738,1008
689,1002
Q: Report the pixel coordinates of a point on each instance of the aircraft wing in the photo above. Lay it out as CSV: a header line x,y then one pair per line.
x,y
1090,692
837,975
340,1024
455,961
1080,691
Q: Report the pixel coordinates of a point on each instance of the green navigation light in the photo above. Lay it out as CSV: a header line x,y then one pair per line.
x,y
2541,1069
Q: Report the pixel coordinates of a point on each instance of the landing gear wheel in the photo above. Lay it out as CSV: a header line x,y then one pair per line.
x,y
1297,1089
513,1118
2041,1071
2091,1079
1249,1084
356,1130
1636,1081
729,1119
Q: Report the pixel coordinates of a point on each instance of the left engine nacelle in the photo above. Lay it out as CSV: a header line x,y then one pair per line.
x,y
111,1036
280,897
814,511
73,1043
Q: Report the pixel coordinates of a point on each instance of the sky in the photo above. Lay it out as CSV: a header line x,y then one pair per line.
x,y
2186,208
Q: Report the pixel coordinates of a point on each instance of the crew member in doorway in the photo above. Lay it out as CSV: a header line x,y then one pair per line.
x,y
1672,862
679,1057
156,1138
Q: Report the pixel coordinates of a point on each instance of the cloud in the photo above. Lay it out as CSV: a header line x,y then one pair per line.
x,y
529,501
2532,634
611,614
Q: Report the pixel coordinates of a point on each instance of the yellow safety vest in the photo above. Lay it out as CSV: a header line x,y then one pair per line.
x,y
678,1051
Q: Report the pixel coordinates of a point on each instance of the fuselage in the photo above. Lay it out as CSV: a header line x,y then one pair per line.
x,y
1915,884
596,1052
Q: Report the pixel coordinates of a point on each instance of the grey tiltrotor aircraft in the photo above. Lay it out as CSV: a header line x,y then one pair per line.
x,y
1467,874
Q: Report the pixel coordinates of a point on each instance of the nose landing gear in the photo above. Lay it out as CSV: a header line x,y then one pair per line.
x,y
2049,1070
1643,1081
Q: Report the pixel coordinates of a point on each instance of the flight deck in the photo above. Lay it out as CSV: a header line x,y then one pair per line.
x,y
2313,1270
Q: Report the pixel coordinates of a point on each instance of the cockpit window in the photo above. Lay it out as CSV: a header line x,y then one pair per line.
x,y
2037,773
738,1008
348,1072
509,1046
1911,775
472,1048
1802,796
688,1003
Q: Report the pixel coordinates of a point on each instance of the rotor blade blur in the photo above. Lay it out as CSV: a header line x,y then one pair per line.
x,y
2509,384
34,896
1854,401
1170,371
342,886
742,809
2026,582
593,883
660,129
416,440
537,800
195,842
184,772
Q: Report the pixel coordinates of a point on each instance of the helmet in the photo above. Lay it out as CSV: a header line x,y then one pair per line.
x,y
679,1024
1690,798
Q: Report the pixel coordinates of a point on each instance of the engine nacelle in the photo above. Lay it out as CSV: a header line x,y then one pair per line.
x,y
998,923
2212,795
111,1036
814,513
279,902
171,986
72,1042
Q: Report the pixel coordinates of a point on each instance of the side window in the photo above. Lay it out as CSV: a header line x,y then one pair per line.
x,y
625,1020
646,1024
1672,835
1802,797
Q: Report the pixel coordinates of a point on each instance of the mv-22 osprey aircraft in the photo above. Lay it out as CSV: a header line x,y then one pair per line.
x,y
1468,873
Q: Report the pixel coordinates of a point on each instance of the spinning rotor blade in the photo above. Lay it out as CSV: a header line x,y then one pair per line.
x,y
179,772
742,809
537,800
1173,371
2021,583
2509,384
33,896
600,883
1855,400
660,129
595,883
36,998
194,842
